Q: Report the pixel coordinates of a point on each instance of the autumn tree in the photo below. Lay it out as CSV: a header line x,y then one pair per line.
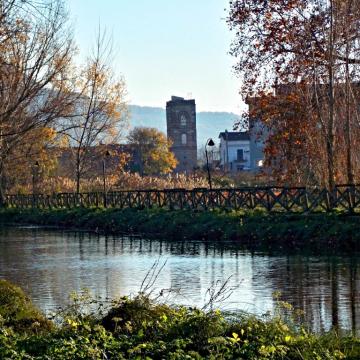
x,y
311,49
33,161
153,151
99,112
35,54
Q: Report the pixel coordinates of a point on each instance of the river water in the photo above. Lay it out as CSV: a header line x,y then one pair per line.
x,y
50,264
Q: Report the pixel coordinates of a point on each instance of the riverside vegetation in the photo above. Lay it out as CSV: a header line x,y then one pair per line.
x,y
141,328
254,230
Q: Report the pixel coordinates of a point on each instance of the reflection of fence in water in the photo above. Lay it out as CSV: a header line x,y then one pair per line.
x,y
272,199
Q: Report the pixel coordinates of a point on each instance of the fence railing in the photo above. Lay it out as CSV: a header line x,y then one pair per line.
x,y
272,199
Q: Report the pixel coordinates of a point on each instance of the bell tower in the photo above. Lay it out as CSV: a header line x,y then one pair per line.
x,y
181,129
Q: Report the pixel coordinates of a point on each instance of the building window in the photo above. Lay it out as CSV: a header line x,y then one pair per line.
x,y
183,139
259,143
240,154
183,120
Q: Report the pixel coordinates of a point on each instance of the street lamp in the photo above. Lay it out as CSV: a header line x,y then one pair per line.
x,y
107,155
210,143
226,168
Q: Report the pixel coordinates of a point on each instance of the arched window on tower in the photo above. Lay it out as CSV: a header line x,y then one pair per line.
x,y
183,120
183,139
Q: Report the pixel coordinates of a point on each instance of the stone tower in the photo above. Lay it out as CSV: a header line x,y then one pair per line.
x,y
181,129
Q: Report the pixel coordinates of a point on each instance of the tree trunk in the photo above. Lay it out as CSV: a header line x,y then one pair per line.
x,y
78,172
330,127
349,169
2,192
77,182
141,163
2,185
78,176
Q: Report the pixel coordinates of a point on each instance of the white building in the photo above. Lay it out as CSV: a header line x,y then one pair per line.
x,y
240,151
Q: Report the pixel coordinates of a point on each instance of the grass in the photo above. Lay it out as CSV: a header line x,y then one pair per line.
x,y
255,230
139,328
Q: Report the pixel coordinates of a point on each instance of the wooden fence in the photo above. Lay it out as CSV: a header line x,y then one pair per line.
x,y
272,199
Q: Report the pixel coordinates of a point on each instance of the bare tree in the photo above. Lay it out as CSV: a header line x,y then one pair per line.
x,y
36,50
100,110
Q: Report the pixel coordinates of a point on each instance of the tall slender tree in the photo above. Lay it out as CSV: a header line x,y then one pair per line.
x,y
100,111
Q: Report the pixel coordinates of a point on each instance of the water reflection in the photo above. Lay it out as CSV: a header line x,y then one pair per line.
x,y
50,264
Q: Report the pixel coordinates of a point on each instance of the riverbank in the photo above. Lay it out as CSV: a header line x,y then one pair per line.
x,y
139,328
316,233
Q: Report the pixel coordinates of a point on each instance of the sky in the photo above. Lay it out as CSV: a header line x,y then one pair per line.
x,y
164,48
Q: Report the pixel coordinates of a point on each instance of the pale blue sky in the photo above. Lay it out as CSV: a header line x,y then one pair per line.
x,y
164,48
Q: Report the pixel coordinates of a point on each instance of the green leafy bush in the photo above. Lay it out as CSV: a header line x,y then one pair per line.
x,y
139,328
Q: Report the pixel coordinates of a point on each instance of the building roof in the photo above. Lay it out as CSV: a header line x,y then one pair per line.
x,y
179,100
235,135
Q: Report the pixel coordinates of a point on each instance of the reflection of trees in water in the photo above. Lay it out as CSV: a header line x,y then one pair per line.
x,y
326,289
50,264
46,264
198,268
29,261
354,293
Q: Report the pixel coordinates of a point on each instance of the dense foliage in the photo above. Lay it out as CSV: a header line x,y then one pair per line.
x,y
299,64
138,328
121,179
153,151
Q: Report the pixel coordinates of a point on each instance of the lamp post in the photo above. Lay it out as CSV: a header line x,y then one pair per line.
x,y
210,143
107,154
226,168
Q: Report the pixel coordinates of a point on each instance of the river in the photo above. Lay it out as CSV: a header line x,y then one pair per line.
x,y
50,264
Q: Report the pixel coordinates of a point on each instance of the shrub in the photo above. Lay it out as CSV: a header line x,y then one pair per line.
x,y
17,311
139,328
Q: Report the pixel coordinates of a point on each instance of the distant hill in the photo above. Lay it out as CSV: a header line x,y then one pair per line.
x,y
209,124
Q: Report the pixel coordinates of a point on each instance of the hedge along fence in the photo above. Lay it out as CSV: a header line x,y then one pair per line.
x,y
271,199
